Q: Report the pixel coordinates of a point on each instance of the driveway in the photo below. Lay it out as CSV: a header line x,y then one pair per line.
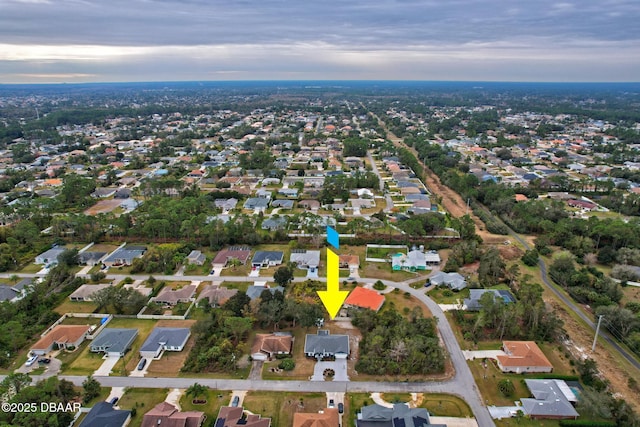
x,y
339,366
482,354
256,370
107,366
143,372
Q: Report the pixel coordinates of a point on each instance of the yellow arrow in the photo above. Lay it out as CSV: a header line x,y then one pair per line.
x,y
333,297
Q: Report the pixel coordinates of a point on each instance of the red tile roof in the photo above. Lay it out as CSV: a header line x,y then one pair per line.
x,y
365,298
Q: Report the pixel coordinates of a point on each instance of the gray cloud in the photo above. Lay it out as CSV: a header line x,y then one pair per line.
x,y
360,39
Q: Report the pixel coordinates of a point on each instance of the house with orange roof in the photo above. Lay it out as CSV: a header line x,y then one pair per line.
x,y
523,356
521,198
265,346
328,417
364,298
61,336
54,182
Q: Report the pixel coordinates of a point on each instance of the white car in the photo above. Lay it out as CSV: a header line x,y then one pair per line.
x,y
31,360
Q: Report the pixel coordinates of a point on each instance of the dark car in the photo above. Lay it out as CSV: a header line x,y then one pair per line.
x,y
340,408
44,360
142,364
236,401
114,401
332,404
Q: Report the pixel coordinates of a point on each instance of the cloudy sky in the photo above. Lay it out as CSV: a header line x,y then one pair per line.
x,y
170,40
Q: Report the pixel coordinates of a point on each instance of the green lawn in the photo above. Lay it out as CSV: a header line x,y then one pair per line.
x,y
280,407
215,400
68,306
144,328
142,399
438,404
80,361
487,380
526,422
447,296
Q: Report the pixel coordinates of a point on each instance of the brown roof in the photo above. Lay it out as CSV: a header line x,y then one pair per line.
x,y
523,353
174,295
349,259
169,416
233,417
328,418
226,254
61,334
271,344
216,294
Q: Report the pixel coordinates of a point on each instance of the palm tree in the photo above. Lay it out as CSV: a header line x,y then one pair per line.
x,y
196,390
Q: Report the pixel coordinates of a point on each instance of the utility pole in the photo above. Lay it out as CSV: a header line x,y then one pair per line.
x,y
595,339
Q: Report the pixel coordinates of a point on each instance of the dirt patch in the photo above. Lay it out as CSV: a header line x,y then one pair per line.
x,y
103,206
510,252
579,345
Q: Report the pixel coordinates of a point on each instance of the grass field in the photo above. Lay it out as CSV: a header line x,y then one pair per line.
x,y
80,361
404,304
383,271
68,306
215,400
526,422
438,295
438,404
280,407
384,253
142,399
81,321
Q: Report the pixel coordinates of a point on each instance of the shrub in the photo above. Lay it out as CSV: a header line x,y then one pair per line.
x,y
506,387
287,365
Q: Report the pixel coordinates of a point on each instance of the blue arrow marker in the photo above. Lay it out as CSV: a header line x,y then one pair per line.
x,y
333,238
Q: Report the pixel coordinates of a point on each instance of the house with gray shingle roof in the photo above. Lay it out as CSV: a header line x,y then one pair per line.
x,y
552,399
164,339
267,258
326,345
114,341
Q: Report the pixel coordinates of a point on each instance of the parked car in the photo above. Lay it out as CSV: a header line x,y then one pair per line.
x,y
142,364
332,404
340,408
236,401
31,360
114,400
44,360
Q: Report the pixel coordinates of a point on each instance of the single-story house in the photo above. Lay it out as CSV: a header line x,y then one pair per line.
x,y
90,258
216,295
15,292
85,292
114,342
164,339
326,345
230,416
265,346
552,399
328,417
240,253
50,256
103,414
254,291
582,204
282,204
305,259
171,297
196,257
273,224
165,414
267,258
309,204
432,258
226,204
349,261
399,415
454,281
523,356
256,203
61,336
473,302
413,261
124,255
364,298
289,192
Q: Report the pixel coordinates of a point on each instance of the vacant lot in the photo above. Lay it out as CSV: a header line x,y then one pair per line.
x,y
103,206
215,400
280,407
143,399
80,361
383,271
439,404
68,306
405,303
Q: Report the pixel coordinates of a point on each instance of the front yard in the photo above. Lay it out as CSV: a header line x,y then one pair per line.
x,y
143,400
280,407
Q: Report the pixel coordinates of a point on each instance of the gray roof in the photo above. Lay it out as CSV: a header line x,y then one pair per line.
x,y
305,257
52,254
398,416
7,293
261,257
169,337
126,253
453,280
274,223
549,400
103,415
256,202
325,343
282,203
473,302
254,291
85,257
115,339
